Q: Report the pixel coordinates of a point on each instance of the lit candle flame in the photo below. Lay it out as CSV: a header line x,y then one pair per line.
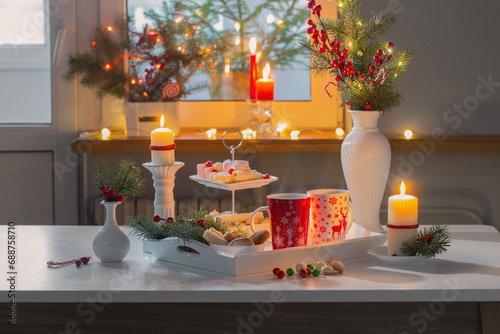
x,y
162,121
227,68
253,45
402,188
266,72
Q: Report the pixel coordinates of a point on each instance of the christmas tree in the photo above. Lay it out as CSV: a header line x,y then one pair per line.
x,y
350,49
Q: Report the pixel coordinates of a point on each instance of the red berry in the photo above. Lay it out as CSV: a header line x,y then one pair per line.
x,y
181,217
103,188
345,51
309,30
323,38
421,240
303,273
112,192
321,49
341,59
120,198
394,255
368,106
373,83
85,260
201,222
380,52
156,218
209,164
230,171
372,69
376,59
214,171
316,41
389,57
310,22
78,263
275,270
338,77
390,45
105,194
170,220
429,238
310,5
348,64
267,176
280,274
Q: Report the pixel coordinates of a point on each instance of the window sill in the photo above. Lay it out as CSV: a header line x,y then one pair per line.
x,y
310,141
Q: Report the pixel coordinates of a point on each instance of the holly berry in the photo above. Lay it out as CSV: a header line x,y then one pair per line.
x,y
290,272
376,59
267,177
368,106
201,222
111,192
181,217
310,22
209,164
316,272
390,45
338,77
156,218
275,270
280,274
120,198
303,273
85,260
310,30
78,263
316,41
323,38
389,57
170,220
421,240
105,194
372,69
103,188
230,171
380,52
429,239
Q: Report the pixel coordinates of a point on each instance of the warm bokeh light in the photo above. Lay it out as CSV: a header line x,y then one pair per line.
x,y
178,19
252,45
227,68
402,188
266,72
110,28
237,26
248,134
105,134
294,134
281,127
108,67
211,134
339,132
408,134
237,40
270,18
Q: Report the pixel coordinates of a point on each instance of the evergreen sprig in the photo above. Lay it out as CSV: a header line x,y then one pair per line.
x,y
180,228
357,75
429,242
124,179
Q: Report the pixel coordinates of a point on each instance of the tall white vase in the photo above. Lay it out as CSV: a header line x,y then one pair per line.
x,y
366,159
110,243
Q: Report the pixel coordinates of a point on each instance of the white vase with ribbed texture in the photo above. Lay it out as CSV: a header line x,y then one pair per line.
x,y
366,159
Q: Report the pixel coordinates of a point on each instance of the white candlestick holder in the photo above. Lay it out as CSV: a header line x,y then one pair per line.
x,y
163,181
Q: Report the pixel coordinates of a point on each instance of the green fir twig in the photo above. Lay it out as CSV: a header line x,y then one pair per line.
x,y
429,242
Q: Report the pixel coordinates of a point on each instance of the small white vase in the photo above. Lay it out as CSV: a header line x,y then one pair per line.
x,y
110,243
366,159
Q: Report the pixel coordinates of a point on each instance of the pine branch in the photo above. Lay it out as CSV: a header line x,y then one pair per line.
x,y
429,242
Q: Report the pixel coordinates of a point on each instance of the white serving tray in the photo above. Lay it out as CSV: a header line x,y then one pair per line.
x,y
355,245
236,185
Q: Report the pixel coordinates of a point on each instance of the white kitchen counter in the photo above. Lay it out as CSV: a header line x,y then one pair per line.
x,y
469,271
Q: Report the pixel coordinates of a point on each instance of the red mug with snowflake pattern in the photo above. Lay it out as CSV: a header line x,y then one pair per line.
x,y
289,219
332,214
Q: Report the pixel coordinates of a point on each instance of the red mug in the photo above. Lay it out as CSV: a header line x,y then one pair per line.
x,y
289,219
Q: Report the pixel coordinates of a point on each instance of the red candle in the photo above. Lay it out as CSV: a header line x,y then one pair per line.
x,y
265,86
253,67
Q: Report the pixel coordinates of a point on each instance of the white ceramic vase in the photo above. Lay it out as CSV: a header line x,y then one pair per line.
x,y
366,159
110,243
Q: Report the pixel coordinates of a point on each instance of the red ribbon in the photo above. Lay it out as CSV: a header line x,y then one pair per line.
x,y
162,148
402,227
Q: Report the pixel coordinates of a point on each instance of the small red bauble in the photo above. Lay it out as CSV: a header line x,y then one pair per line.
x,y
230,171
275,270
380,52
280,274
303,273
372,69
112,192
201,222
389,57
390,45
105,194
429,238
103,188
156,218
338,77
85,260
266,176
368,106
170,220
209,164
78,263
309,30
120,198
376,59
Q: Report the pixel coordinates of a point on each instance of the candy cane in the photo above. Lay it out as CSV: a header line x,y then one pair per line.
x,y
52,264
326,88
384,75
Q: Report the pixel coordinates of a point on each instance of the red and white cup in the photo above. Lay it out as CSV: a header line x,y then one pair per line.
x,y
332,214
289,219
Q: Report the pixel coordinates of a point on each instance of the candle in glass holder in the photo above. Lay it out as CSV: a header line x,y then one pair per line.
x,y
402,221
253,67
265,86
162,145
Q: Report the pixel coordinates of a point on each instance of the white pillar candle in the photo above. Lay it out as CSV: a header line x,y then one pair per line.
x,y
162,146
403,216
